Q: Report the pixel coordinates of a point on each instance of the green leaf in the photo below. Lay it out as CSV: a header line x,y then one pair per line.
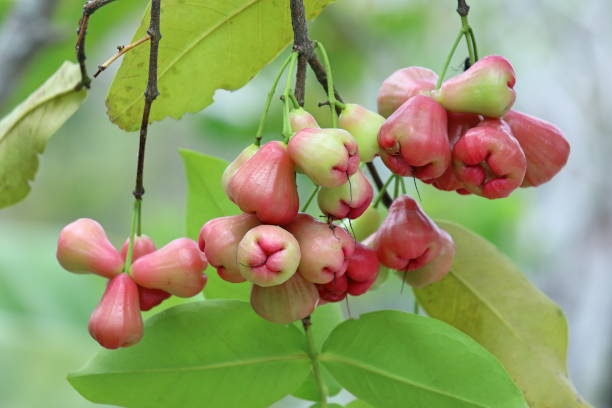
x,y
358,404
215,353
487,297
207,200
332,405
397,359
25,131
206,46
324,320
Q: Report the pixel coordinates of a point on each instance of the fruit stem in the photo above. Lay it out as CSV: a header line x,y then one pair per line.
x,y
314,357
264,113
135,221
465,28
396,188
331,97
449,57
310,198
383,190
287,98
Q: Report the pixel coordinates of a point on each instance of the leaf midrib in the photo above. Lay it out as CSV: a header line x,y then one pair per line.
x,y
192,46
205,367
326,356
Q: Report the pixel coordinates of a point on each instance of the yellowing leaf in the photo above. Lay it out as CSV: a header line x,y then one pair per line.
x,y
24,132
206,45
487,297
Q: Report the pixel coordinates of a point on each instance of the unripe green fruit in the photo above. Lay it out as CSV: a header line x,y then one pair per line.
x,y
300,119
363,125
233,167
349,200
368,222
285,303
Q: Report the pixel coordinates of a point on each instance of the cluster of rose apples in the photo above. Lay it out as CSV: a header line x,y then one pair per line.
x,y
296,262
153,276
463,136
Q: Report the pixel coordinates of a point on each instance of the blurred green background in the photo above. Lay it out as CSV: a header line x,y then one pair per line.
x,y
560,234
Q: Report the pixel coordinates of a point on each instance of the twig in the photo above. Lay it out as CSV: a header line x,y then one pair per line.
x,y
462,8
123,49
304,46
150,94
88,9
24,32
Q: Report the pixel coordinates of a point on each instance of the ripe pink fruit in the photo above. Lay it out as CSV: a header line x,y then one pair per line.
x,y
414,140
363,265
327,156
405,239
402,85
546,150
268,255
265,185
349,200
363,125
325,248
84,248
143,245
489,161
335,290
438,268
116,321
233,167
300,119
486,88
149,298
176,268
285,303
458,124
219,239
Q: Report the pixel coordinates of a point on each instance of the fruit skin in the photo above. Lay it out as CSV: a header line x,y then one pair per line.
x,y
285,303
545,148
435,270
176,268
350,200
300,119
268,255
486,88
219,239
402,85
363,125
149,298
327,156
233,167
265,185
116,321
368,222
325,248
362,270
83,247
334,291
414,139
489,161
406,239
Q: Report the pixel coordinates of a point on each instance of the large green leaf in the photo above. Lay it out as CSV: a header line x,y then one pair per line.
x,y
487,297
396,359
206,45
207,200
24,132
215,353
324,319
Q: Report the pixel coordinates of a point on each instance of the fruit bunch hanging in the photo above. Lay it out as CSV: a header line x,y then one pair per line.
x,y
458,135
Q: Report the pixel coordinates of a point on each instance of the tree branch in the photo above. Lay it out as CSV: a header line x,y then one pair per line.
x,y
303,45
122,49
88,9
462,8
24,32
150,94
